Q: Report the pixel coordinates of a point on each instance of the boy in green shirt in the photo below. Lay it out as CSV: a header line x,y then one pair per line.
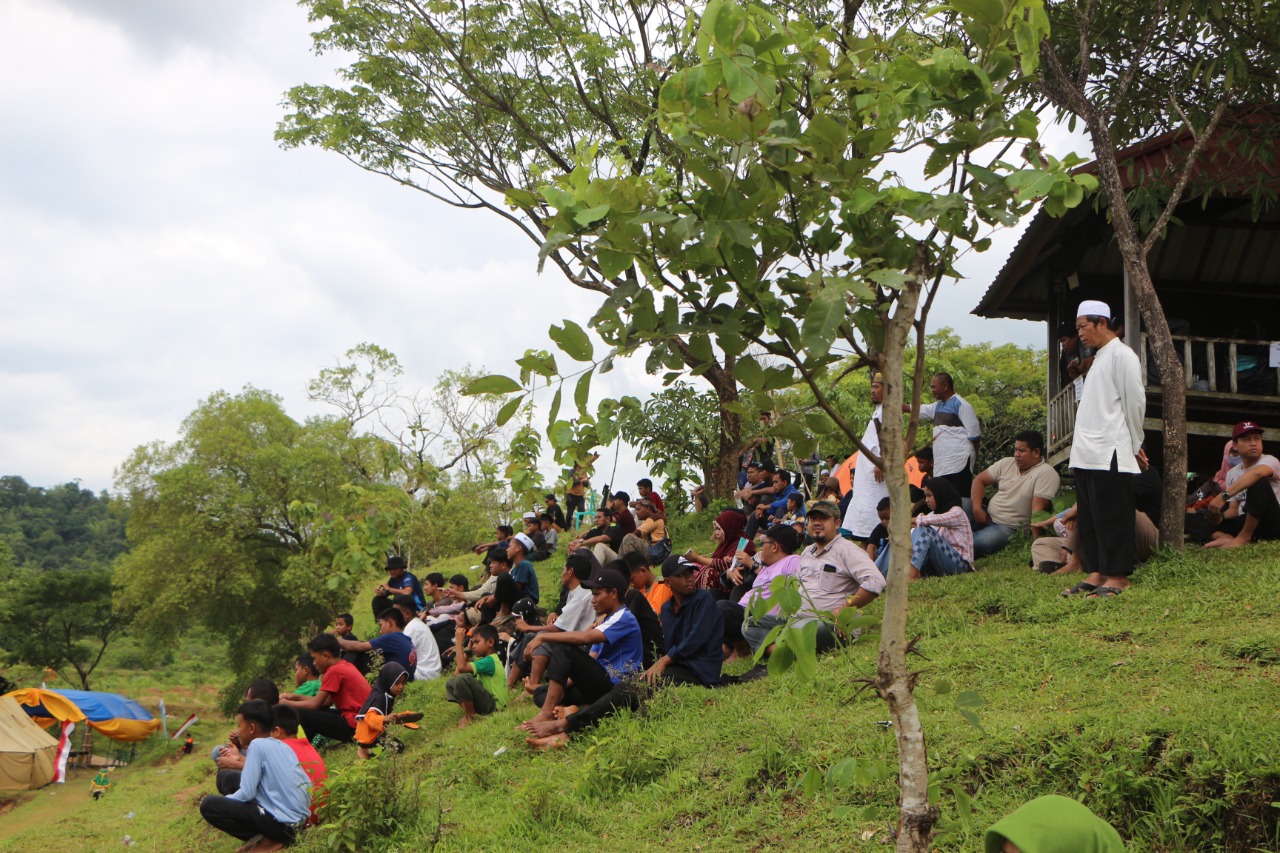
x,y
306,675
480,686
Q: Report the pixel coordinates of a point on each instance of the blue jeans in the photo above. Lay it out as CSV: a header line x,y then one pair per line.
x,y
992,538
882,560
933,556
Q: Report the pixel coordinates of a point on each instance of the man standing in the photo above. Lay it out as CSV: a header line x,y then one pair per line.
x,y
956,432
868,480
1106,453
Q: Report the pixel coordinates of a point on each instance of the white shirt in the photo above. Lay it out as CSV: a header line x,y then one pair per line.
x,y
1234,475
424,643
955,429
1109,420
577,614
861,518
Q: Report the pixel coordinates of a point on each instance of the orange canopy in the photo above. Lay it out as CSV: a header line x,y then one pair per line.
x,y
914,474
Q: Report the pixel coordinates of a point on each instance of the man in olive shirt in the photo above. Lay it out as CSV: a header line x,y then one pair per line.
x,y
834,573
1025,485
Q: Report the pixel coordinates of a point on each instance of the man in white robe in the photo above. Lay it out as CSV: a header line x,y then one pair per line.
x,y
868,480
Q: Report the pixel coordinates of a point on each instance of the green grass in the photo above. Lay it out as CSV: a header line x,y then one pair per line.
x,y
1156,708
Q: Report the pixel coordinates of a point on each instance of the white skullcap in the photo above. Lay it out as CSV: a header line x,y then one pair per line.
x,y
1094,308
525,542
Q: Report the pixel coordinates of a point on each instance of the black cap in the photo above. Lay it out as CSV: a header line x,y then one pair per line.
x,y
395,561
607,579
406,601
525,608
676,565
786,536
621,496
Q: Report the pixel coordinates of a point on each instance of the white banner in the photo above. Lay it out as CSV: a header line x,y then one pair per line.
x,y
183,728
64,751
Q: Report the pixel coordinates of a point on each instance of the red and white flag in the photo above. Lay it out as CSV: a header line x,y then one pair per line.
x,y
183,728
64,751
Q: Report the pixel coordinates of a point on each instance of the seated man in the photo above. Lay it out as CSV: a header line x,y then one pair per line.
x,y
576,676
273,797
230,756
391,642
775,511
400,581
577,615
286,731
1056,554
692,630
1249,506
834,573
650,530
1025,485
604,539
645,489
522,571
555,512
533,530
426,649
776,557
332,711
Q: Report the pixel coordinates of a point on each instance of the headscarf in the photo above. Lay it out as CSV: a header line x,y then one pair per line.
x,y
945,496
1221,477
1054,824
732,523
380,698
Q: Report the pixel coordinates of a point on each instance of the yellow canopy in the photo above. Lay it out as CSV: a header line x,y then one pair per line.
x,y
58,708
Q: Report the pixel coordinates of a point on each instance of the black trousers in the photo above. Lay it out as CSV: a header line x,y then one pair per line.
x,y
1260,503
574,663
1105,508
327,722
228,782
572,504
962,480
244,820
733,614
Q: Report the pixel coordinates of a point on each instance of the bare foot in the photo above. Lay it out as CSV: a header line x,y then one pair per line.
x,y
1068,569
248,845
465,721
529,686
556,741
562,712
546,728
266,845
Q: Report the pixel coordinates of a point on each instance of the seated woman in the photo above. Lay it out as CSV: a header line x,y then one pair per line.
x,y
727,531
941,539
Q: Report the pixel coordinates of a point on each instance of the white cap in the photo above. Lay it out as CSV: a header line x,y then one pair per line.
x,y
529,515
1094,308
525,541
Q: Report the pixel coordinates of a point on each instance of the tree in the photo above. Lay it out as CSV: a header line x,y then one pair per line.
x,y
59,618
677,432
478,104
254,525
791,231
1131,71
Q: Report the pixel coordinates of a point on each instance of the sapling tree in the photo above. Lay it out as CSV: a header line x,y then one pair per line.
x,y
791,230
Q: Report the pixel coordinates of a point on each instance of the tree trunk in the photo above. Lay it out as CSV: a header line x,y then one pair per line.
x,y
894,681
724,475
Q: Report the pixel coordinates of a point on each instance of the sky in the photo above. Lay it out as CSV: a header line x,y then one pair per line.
x,y
157,245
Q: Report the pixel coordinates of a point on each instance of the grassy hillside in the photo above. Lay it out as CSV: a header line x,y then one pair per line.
x,y
1156,708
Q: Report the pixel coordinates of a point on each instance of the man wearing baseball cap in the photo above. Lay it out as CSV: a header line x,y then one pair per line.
x,y
400,581
1249,506
692,630
1106,454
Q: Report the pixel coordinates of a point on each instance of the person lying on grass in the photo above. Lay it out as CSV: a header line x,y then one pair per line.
x,y
478,687
285,730
332,711
576,616
273,798
576,676
376,714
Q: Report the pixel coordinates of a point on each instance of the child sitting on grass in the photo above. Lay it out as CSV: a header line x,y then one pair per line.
x,y
373,718
479,687
306,676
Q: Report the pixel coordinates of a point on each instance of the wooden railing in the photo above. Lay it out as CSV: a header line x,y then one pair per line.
x,y
1211,366
1062,419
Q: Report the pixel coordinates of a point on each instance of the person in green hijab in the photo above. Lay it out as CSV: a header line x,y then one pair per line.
x,y
1053,824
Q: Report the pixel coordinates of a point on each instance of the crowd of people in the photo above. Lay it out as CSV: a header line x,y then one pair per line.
x,y
632,615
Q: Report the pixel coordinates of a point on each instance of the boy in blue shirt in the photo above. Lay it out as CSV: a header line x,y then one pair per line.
x,y
274,796
522,571
400,581
392,643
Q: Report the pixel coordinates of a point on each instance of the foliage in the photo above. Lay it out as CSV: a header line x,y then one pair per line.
x,y
677,431
369,803
59,618
62,526
251,514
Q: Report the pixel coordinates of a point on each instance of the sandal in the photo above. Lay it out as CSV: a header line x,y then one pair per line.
x,y
1083,586
1106,592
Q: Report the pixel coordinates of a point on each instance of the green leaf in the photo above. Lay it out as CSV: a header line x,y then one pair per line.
x,y
748,372
573,340
822,320
561,435
969,699
508,410
781,660
942,688
613,264
591,214
582,392
554,414
989,12
492,384
811,782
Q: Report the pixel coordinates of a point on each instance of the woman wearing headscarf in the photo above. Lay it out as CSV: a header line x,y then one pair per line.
x,y
375,714
1053,824
942,539
727,531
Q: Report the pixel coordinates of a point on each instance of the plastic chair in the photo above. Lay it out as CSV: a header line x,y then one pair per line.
x,y
589,512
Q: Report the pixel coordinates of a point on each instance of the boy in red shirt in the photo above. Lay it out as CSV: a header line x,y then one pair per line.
x,y
332,711
286,731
